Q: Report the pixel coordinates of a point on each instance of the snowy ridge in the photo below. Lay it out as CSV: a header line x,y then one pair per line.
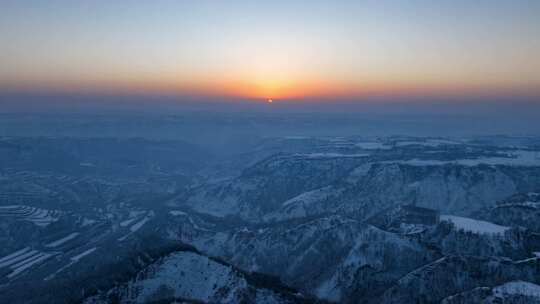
x,y
533,205
413,274
515,158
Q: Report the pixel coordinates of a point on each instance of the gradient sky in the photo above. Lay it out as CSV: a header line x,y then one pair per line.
x,y
272,49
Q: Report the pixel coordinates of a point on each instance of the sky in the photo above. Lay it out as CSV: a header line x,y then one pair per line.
x,y
283,50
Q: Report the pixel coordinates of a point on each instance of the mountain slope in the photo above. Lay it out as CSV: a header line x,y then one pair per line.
x,y
189,275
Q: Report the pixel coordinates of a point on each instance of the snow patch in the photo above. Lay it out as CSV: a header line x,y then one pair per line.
x,y
135,227
308,197
330,155
87,222
295,137
73,260
518,288
28,263
191,276
17,256
177,213
431,142
63,240
139,224
83,254
475,226
372,146
127,222
22,259
13,255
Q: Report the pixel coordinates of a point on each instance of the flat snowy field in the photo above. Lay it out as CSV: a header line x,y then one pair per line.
x,y
475,226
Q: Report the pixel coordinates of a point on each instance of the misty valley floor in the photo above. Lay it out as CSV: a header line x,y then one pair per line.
x,y
280,219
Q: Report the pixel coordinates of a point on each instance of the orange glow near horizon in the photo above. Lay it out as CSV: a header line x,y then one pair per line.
x,y
293,50
276,90
305,90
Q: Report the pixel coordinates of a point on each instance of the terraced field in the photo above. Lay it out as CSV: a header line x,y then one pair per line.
x,y
22,260
37,216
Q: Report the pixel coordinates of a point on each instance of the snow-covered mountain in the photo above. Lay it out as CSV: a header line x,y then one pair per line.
x,y
517,292
284,187
522,209
345,250
451,275
192,277
292,220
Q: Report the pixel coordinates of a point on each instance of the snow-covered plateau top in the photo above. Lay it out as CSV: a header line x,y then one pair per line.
x,y
475,226
518,288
